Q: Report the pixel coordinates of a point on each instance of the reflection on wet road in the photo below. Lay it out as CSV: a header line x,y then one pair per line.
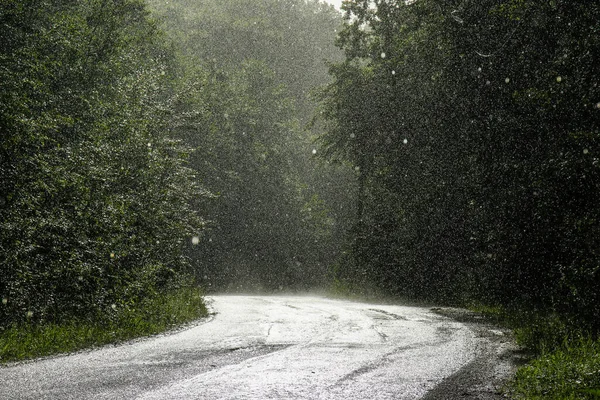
x,y
265,347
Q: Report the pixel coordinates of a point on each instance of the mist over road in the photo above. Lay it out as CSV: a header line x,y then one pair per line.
x,y
267,347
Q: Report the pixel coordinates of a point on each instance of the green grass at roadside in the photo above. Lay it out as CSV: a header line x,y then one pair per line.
x,y
155,315
565,360
568,373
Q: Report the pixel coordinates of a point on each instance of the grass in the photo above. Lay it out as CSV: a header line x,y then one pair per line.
x,y
567,373
155,315
565,360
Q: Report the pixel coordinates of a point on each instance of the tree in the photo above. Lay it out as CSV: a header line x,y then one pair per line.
x,y
96,196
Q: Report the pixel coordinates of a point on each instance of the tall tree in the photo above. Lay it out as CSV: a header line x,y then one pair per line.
x,y
95,201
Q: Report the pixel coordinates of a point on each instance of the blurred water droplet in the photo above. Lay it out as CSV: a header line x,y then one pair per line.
x,y
507,80
314,151
585,151
195,240
558,79
113,306
4,300
382,55
29,314
405,141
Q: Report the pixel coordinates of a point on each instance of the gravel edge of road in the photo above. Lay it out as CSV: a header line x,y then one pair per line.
x,y
486,376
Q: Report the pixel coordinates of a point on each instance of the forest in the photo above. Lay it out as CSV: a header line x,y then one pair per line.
x,y
152,148
442,151
475,131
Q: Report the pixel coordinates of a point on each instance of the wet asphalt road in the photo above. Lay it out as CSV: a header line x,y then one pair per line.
x,y
266,347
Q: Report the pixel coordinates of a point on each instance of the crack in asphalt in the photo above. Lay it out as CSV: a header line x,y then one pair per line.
x,y
389,314
373,365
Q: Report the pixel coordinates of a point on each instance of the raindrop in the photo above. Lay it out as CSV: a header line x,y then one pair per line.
x,y
195,240
487,82
352,135
382,54
113,306
149,144
393,72
405,141
507,80
598,105
558,79
29,314
585,151
357,168
314,151
4,300
112,255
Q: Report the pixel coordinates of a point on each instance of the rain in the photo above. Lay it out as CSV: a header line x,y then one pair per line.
x,y
157,153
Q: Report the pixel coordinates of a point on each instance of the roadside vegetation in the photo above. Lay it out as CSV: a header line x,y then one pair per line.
x,y
568,371
563,356
153,315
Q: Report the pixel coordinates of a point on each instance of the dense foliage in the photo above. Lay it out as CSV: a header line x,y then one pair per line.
x,y
95,198
475,127
278,217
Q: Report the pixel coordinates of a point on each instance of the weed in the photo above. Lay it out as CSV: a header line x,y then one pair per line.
x,y
151,316
570,372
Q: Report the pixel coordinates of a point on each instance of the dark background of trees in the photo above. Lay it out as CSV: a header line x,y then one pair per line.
x,y
279,214
475,127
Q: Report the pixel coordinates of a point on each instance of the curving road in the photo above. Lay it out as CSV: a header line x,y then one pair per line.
x,y
271,347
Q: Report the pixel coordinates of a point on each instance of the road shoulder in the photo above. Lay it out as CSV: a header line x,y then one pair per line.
x,y
485,377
